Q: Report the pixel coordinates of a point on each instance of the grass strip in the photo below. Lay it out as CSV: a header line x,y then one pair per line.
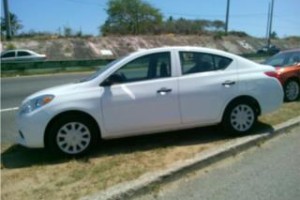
x,y
34,174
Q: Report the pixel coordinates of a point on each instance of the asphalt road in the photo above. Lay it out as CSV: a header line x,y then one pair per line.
x,y
268,172
14,90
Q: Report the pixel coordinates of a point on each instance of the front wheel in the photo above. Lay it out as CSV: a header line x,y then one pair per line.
x,y
240,117
72,135
291,90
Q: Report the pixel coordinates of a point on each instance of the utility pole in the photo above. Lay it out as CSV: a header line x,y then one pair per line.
x,y
7,19
227,17
270,23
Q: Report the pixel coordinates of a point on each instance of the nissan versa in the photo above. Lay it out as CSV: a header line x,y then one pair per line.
x,y
150,91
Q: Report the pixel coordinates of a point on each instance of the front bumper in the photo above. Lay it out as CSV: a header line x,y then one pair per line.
x,y
32,128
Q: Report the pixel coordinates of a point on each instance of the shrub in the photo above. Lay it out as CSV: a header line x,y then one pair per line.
x,y
10,46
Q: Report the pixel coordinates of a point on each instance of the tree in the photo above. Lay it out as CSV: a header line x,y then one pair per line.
x,y
131,17
15,24
273,35
218,25
68,31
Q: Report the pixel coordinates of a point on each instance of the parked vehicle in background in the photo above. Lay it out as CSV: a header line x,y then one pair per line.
x,y
287,64
151,91
270,50
21,55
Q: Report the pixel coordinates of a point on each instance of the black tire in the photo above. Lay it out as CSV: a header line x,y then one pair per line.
x,y
291,90
72,135
240,117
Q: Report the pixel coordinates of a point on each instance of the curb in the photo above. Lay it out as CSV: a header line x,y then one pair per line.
x,y
201,160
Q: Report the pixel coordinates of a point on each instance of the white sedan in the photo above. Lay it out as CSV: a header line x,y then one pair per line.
x,y
21,55
150,91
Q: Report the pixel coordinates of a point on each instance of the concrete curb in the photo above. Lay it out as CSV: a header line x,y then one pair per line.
x,y
201,160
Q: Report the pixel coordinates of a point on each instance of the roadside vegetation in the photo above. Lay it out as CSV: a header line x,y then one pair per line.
x,y
36,174
131,17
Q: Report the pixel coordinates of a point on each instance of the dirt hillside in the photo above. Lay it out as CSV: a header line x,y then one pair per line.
x,y
92,48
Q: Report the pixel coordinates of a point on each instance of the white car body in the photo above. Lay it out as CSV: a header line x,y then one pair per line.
x,y
144,107
21,55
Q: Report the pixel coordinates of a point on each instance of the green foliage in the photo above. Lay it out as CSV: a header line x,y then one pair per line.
x,y
218,35
273,35
293,37
15,24
138,17
44,35
78,33
131,17
10,46
217,25
188,26
37,34
68,31
238,33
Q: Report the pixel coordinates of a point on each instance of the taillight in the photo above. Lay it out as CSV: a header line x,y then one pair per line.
x,y
272,74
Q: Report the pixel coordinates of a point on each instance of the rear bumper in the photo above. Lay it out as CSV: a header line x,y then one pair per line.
x,y
272,98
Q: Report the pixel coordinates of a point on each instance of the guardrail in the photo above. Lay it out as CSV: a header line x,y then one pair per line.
x,y
63,64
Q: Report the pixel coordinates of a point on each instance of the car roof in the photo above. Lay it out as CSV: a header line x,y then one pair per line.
x,y
186,48
14,50
142,52
291,50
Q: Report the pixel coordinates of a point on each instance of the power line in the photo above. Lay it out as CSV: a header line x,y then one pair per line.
x,y
87,3
215,15
287,19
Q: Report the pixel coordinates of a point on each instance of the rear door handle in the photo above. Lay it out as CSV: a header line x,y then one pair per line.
x,y
164,90
228,83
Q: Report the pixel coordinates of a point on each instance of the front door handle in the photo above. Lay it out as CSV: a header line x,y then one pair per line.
x,y
164,90
228,83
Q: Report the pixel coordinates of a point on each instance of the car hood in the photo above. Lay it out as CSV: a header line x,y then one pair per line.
x,y
62,89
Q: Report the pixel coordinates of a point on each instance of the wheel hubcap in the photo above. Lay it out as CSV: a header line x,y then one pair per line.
x,y
242,118
73,138
292,90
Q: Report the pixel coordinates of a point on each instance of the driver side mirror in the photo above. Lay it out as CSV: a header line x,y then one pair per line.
x,y
111,80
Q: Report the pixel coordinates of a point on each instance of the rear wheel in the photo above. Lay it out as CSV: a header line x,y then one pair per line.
x,y
240,117
72,135
291,90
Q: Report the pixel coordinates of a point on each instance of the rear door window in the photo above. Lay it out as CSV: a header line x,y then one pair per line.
x,y
195,62
23,53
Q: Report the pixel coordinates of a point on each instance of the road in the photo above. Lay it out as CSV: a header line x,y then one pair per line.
x,y
14,90
268,172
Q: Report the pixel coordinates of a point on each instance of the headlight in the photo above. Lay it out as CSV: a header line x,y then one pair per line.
x,y
36,103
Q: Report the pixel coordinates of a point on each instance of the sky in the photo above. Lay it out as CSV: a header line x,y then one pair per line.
x,y
88,15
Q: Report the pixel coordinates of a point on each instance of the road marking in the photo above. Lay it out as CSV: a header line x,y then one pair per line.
x,y
9,109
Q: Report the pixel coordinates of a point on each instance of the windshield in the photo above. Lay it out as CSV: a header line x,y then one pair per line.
x,y
100,71
284,59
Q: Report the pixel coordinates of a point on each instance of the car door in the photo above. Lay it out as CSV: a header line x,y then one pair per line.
x,y
23,55
11,55
207,83
141,96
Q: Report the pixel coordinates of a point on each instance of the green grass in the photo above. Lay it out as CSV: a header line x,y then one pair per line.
x,y
287,111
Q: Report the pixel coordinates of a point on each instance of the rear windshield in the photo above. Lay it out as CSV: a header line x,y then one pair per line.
x,y
284,59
